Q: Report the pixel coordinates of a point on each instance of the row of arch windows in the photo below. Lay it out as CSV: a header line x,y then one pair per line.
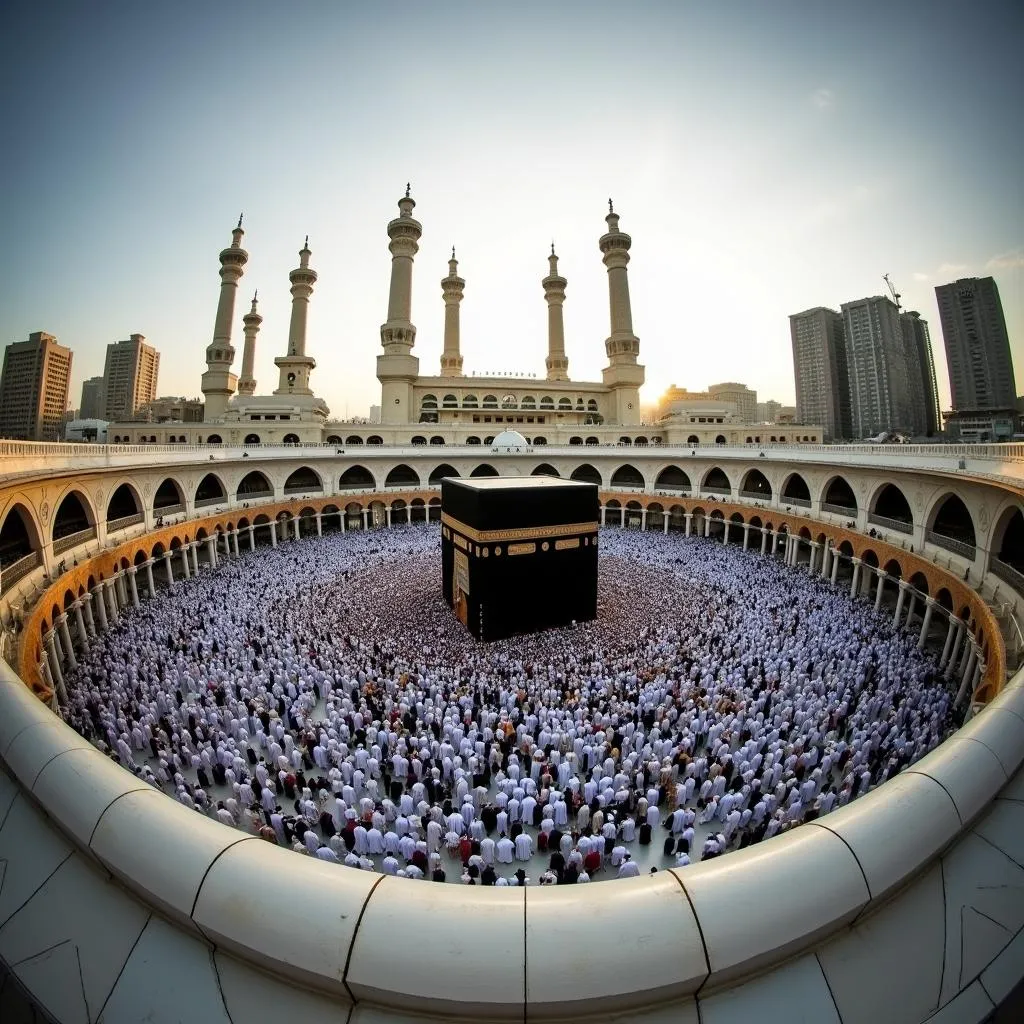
x,y
527,403
948,519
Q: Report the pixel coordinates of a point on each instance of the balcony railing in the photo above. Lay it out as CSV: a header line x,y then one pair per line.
x,y
1008,574
124,522
800,502
168,510
245,496
751,495
72,540
838,510
221,499
958,547
300,489
725,490
891,524
10,574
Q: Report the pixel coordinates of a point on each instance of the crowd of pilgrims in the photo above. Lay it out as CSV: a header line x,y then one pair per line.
x,y
322,696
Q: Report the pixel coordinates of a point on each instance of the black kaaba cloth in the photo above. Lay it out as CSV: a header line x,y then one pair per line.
x,y
519,554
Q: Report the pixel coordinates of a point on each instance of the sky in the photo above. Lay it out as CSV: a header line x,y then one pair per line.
x,y
765,157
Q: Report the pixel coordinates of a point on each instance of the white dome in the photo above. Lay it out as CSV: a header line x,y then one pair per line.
x,y
509,439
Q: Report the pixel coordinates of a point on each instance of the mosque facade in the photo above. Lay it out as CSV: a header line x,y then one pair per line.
x,y
447,407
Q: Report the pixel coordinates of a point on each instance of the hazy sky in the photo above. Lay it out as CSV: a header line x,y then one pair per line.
x,y
766,157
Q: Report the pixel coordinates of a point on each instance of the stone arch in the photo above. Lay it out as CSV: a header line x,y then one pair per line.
x,y
720,439
588,474
795,490
945,599
353,439
303,480
290,439
919,582
950,518
677,518
254,484
868,557
124,501
622,440
716,481
214,439
19,535
356,476
575,440
756,483
544,469
252,439
894,569
374,439
736,517
169,494
436,439
539,441
655,515
591,440
1007,546
693,439
402,475
627,475
470,402
755,521
333,439
74,513
399,512
838,493
613,512
438,473
472,439
484,469
889,502
419,439
673,478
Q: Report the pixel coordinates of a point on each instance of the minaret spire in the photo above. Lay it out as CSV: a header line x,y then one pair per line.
x,y
295,366
554,292
452,290
251,327
623,374
397,367
218,383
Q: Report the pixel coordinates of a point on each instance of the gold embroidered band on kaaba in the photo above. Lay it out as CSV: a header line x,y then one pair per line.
x,y
520,533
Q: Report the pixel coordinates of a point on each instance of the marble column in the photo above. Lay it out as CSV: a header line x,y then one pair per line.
x,y
211,550
764,539
387,517
185,567
899,603
194,548
603,511
44,669
967,676
297,526
366,518
725,531
882,574
688,516
90,623
835,568
133,586
112,601
812,564
911,602
643,520
83,635
170,571
954,654
320,525
950,633
273,533
746,536
50,642
707,526
929,607
622,518
664,522
120,591
65,639
826,557
855,578
150,582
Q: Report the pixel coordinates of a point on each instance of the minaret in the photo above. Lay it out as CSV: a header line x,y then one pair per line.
x,y
554,292
251,322
218,384
452,288
295,367
398,368
623,375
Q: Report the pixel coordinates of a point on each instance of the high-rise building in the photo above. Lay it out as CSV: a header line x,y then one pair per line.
x,y
768,411
819,368
921,383
93,404
129,377
34,388
977,345
171,410
876,365
742,397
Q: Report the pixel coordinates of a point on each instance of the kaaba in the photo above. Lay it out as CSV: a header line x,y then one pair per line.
x,y
519,554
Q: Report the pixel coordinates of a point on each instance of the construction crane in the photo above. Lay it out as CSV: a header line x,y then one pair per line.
x,y
892,291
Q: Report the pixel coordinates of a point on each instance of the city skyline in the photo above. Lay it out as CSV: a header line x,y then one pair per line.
x,y
751,184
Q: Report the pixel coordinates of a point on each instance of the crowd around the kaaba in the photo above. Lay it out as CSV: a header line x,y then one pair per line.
x,y
321,695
